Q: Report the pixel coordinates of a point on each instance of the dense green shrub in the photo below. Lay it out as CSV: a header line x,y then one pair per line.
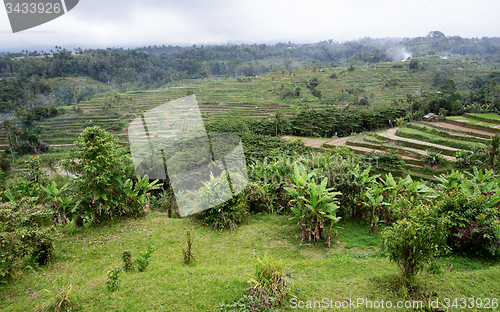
x,y
100,182
414,241
259,197
113,282
474,223
135,195
127,261
165,202
143,258
434,159
30,182
25,230
226,215
468,159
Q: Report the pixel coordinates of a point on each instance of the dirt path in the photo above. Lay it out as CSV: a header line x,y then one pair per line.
x,y
61,145
455,127
368,150
316,143
343,142
391,135
422,152
340,142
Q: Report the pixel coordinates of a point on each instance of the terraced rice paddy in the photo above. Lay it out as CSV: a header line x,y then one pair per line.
x,y
260,96
413,151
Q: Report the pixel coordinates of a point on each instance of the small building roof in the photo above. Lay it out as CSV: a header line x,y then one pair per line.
x,y
431,115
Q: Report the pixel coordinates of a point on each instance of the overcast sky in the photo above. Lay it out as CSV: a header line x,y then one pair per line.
x,y
133,23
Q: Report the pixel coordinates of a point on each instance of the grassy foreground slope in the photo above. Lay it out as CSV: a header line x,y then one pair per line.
x,y
352,268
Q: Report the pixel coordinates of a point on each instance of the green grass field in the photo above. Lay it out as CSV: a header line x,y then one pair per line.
x,y
353,267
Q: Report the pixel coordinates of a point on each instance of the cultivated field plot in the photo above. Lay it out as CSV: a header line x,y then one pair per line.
x,y
259,96
413,140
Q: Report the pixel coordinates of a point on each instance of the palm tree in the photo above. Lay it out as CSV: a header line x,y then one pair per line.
x,y
493,87
278,119
32,99
11,129
75,93
494,151
400,122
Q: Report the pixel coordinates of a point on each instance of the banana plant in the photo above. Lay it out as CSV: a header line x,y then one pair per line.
x,y
321,204
313,204
375,201
59,203
300,180
447,183
138,192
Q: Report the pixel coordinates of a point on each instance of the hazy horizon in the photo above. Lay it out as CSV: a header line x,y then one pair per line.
x,y
131,23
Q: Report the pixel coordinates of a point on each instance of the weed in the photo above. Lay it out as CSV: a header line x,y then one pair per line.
x,y
270,279
143,258
127,260
60,299
114,282
257,301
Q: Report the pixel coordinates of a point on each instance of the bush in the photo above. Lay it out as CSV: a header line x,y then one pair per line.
x,y
469,159
100,169
127,261
434,159
113,282
270,280
60,299
414,65
474,226
165,202
313,205
413,242
227,215
24,230
143,258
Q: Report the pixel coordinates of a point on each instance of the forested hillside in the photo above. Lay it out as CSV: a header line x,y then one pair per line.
x,y
153,66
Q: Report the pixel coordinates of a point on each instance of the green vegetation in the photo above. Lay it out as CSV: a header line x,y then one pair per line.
x,y
414,241
437,138
400,214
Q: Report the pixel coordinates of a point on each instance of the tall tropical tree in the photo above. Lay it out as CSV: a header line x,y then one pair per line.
x,y
75,94
494,85
12,130
278,120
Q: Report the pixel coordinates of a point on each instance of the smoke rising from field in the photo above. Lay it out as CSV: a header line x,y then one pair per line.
x,y
399,54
